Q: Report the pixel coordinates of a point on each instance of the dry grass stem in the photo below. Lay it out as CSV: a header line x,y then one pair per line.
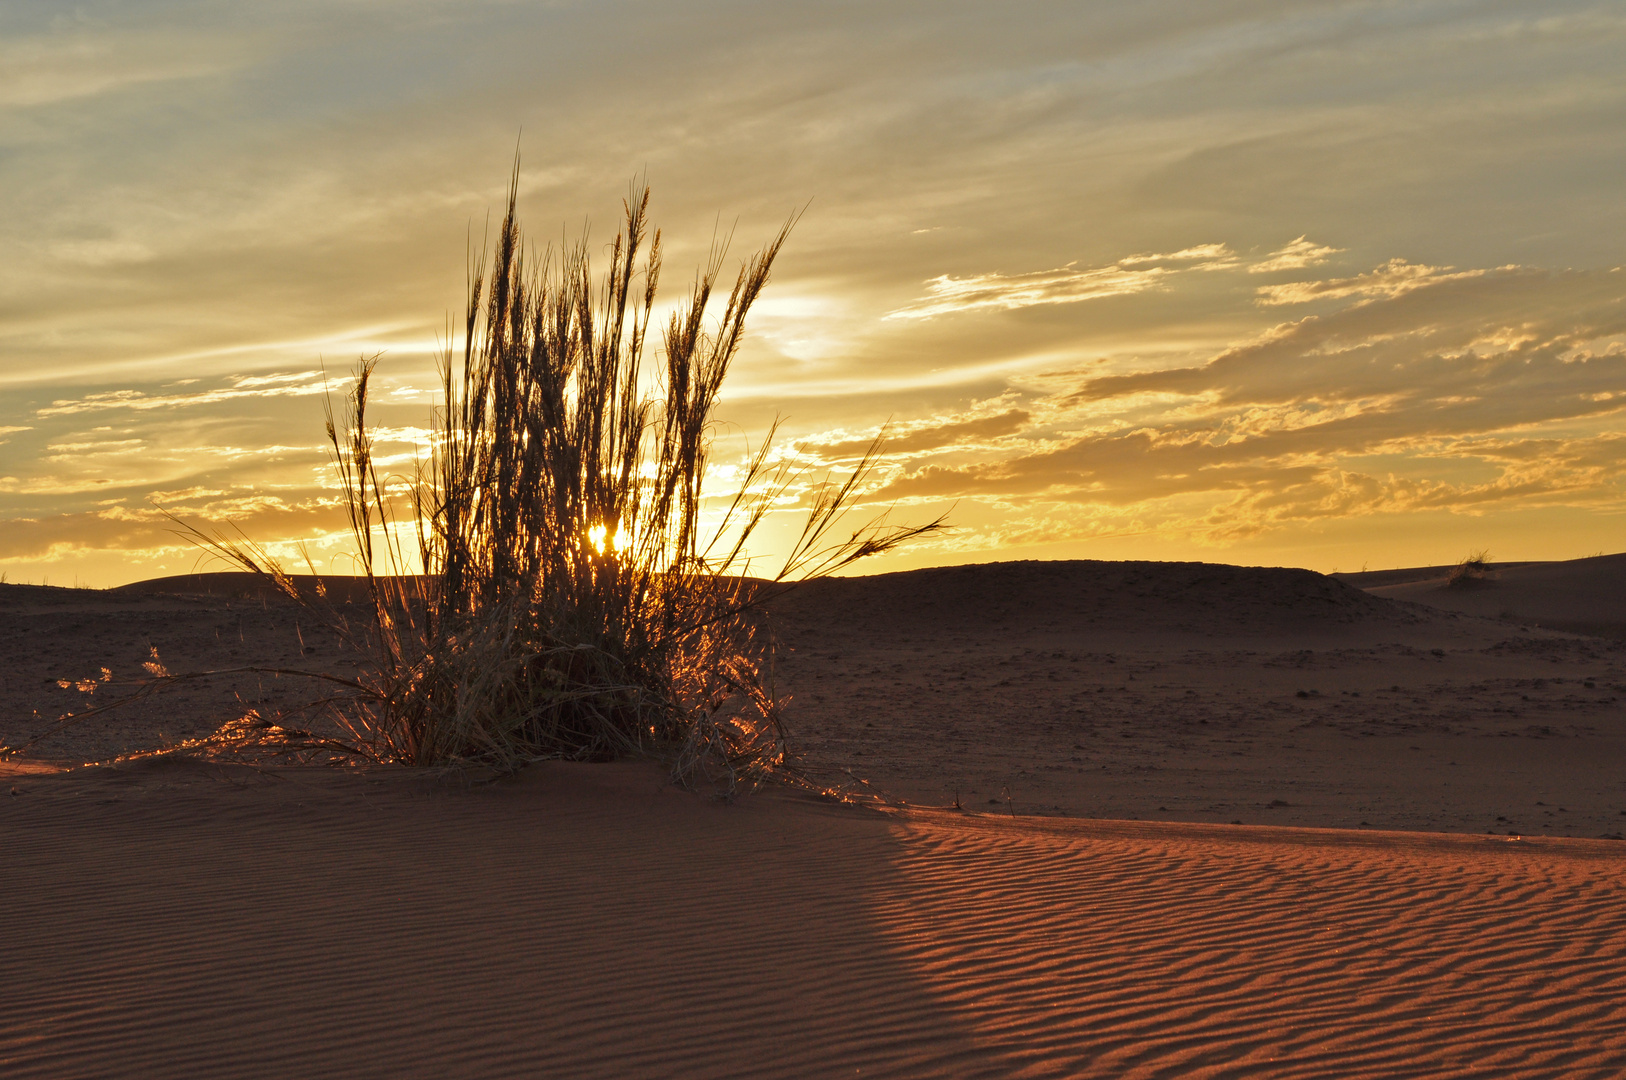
x,y
550,584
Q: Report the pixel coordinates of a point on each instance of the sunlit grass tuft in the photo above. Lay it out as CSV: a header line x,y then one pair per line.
x,y
558,594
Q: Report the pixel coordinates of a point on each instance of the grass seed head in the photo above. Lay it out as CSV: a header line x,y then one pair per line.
x,y
567,599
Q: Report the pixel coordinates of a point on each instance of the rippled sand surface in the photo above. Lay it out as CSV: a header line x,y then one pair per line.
x,y
187,920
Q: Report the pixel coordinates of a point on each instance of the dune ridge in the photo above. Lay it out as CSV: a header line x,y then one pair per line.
x,y
1583,596
1084,596
1169,691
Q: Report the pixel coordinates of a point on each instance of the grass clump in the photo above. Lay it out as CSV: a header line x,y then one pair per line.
x,y
569,597
1471,572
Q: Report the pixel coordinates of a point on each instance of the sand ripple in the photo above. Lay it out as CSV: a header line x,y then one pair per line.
x,y
1180,951
180,920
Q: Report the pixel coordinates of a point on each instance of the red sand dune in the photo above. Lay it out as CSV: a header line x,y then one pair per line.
x,y
1415,892
172,919
1587,596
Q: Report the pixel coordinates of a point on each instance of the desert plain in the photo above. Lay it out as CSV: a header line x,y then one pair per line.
x,y
1094,819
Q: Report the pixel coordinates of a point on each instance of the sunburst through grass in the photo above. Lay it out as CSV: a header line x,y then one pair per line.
x,y
569,597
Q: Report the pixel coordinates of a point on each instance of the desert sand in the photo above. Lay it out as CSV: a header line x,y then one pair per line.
x,y
1425,878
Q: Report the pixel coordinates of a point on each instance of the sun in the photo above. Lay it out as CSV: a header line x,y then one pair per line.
x,y
603,543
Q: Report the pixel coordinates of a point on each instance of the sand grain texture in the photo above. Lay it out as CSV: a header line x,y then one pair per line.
x,y
180,920
1197,692
1424,883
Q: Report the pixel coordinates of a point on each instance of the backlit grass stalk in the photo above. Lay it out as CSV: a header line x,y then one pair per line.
x,y
572,601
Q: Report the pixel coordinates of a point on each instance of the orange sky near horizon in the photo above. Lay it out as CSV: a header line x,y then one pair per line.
x,y
1324,284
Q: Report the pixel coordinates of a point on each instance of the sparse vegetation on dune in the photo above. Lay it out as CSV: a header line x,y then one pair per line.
x,y
573,601
1470,572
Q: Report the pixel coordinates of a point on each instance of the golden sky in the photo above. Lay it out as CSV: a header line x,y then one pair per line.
x,y
1313,284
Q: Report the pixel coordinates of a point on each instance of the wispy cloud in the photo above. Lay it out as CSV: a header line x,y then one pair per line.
x,y
66,451
1205,256
922,436
1456,340
303,378
299,384
1462,392
946,295
1393,278
1298,255
146,533
48,68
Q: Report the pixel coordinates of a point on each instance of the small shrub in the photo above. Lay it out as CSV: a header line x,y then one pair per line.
x,y
1470,572
571,602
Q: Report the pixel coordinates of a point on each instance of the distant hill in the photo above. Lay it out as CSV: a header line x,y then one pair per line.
x,y
1585,596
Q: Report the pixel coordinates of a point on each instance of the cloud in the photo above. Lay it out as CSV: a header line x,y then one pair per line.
x,y
1393,278
98,446
1298,255
410,434
101,252
196,454
149,534
1463,392
1579,472
946,295
45,69
48,484
1210,256
924,437
278,379
1440,340
299,384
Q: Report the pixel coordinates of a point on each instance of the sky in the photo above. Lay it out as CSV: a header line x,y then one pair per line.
x,y
1334,285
